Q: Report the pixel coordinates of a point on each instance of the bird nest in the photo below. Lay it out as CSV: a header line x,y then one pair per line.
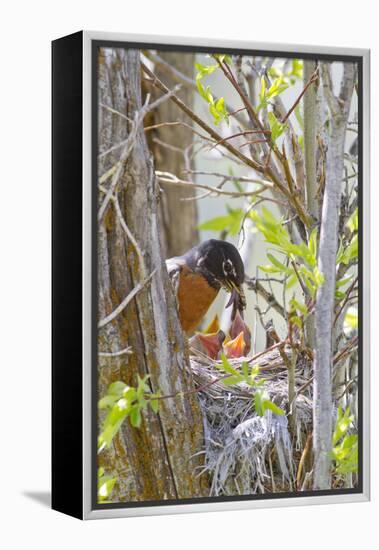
x,y
246,453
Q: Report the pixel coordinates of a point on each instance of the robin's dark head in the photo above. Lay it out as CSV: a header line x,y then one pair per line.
x,y
221,264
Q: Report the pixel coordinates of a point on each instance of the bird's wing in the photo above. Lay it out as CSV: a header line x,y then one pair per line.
x,y
174,267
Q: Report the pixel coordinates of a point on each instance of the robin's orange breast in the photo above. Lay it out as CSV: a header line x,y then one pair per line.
x,y
195,296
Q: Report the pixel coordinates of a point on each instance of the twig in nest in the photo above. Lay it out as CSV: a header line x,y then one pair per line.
x,y
304,454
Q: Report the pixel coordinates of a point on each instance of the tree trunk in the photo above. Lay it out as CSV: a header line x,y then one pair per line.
x,y
310,158
339,108
156,460
178,217
310,145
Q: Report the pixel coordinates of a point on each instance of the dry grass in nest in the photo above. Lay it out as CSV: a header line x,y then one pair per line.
x,y
246,453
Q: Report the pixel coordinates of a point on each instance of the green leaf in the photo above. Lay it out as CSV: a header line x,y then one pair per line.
x,y
263,403
318,277
204,70
154,401
344,281
262,94
340,253
224,58
154,404
116,388
351,318
269,269
299,306
135,416
297,68
226,366
232,380
295,320
216,108
220,106
352,223
312,245
258,403
273,408
278,264
343,423
107,401
351,251
276,127
278,86
215,224
345,445
245,369
142,388
230,223
105,487
291,282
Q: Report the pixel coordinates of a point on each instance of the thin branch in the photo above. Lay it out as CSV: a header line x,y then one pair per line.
x,y
240,134
253,284
125,301
159,84
346,299
261,168
167,177
310,149
187,81
179,123
115,112
347,349
311,81
129,144
303,287
229,177
129,234
125,351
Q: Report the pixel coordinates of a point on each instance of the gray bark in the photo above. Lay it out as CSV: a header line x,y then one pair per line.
x,y
154,461
178,217
322,407
310,157
310,141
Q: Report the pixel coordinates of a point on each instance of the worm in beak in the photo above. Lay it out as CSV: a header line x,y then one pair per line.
x,y
237,298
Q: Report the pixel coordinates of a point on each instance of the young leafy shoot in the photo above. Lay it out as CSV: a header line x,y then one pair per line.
x,y
216,106
121,402
105,486
345,444
303,256
248,375
230,223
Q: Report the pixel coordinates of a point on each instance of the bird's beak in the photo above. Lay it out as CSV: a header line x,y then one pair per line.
x,y
237,295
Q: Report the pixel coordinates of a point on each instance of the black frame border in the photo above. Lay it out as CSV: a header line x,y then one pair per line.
x,y
67,291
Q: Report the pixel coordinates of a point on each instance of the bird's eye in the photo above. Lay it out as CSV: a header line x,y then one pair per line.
x,y
227,267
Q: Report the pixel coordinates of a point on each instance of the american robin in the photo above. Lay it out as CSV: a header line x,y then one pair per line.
x,y
198,276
